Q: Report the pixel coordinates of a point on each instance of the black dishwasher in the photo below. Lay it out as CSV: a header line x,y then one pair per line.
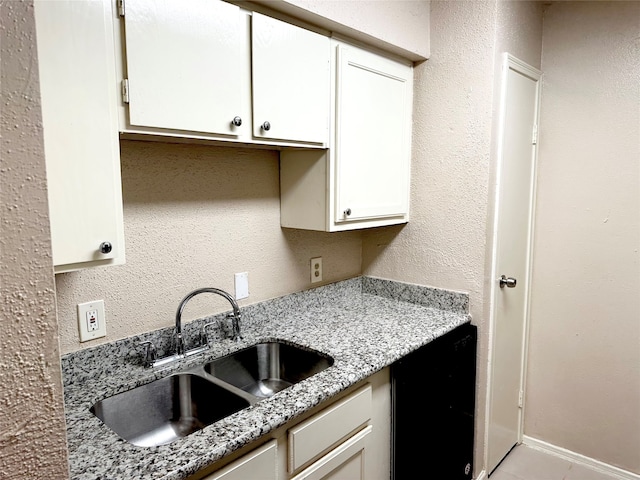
x,y
433,402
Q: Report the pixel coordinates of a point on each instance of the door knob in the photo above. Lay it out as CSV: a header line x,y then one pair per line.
x,y
509,282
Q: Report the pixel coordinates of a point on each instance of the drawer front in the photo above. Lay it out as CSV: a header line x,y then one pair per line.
x,y
260,464
346,462
319,433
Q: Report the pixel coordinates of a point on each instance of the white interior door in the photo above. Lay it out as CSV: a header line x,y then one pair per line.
x,y
516,182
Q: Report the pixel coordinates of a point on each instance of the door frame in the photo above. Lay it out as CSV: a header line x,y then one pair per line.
x,y
509,62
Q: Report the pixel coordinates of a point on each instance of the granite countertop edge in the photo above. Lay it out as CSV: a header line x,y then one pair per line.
x,y
364,323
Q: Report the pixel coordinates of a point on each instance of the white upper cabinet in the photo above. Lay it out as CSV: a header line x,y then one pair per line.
x,y
79,113
184,64
207,69
373,136
363,179
291,74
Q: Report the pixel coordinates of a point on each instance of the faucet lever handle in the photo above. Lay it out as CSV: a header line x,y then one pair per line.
x,y
150,353
204,338
235,325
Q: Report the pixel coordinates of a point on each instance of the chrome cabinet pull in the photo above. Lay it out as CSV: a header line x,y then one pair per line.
x,y
266,126
237,121
106,247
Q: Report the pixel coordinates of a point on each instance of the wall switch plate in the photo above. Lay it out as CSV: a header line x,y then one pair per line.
x,y
316,269
91,320
242,285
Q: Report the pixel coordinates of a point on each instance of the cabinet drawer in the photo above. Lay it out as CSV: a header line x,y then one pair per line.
x,y
260,464
314,436
346,461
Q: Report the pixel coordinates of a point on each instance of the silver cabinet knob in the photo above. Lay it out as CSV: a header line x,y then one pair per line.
x,y
347,212
237,121
106,247
509,282
266,126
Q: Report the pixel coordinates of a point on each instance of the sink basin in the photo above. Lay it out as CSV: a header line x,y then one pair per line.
x,y
167,409
268,367
173,407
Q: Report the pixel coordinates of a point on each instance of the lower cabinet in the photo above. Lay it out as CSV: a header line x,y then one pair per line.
x,y
346,462
346,439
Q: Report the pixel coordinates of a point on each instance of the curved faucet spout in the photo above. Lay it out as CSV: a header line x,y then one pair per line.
x,y
235,315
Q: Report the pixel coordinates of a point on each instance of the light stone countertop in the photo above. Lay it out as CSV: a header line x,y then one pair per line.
x,y
364,323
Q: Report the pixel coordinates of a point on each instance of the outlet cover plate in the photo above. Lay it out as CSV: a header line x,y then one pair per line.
x,y
91,320
316,269
242,285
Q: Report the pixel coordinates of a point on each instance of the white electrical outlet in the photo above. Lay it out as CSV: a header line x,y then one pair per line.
x,y
91,320
316,269
242,285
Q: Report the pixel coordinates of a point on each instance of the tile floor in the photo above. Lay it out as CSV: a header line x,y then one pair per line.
x,y
526,463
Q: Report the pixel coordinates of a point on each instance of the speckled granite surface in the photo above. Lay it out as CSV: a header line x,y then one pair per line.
x,y
365,324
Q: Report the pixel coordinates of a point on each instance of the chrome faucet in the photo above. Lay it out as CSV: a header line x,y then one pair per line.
x,y
151,359
235,315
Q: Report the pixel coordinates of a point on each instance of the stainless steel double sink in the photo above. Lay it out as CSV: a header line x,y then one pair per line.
x,y
175,406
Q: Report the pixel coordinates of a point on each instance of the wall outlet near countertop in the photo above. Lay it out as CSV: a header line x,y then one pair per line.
x,y
316,269
91,320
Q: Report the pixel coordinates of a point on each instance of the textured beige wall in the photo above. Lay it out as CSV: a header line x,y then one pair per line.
x,y
583,389
399,25
520,31
195,215
32,429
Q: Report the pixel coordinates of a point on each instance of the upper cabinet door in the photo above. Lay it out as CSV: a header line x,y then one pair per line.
x,y
372,137
290,82
184,64
80,127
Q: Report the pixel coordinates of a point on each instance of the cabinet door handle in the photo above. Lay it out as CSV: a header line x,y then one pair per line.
x,y
106,247
347,212
266,126
237,121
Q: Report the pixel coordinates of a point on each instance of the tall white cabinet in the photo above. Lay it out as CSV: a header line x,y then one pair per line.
x,y
363,179
80,127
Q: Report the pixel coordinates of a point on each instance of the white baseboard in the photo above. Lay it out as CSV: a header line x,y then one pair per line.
x,y
578,458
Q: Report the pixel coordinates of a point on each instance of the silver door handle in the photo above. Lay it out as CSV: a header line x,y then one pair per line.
x,y
509,282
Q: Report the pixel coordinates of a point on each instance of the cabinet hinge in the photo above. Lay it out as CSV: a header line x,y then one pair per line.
x,y
534,137
520,399
125,90
121,8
